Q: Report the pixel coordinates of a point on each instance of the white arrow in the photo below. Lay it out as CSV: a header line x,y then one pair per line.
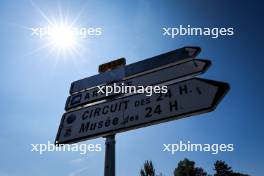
x,y
185,98
186,69
177,56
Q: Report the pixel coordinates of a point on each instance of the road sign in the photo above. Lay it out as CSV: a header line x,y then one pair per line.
x,y
185,98
186,69
180,55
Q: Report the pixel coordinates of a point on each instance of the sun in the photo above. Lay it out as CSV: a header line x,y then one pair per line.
x,y
62,37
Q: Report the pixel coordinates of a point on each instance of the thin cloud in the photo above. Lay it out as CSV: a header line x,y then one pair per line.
x,y
75,161
78,172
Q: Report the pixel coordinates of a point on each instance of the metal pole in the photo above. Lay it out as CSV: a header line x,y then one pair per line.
x,y
109,168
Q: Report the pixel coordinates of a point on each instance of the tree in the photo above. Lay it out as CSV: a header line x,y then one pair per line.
x,y
222,169
238,174
185,168
200,172
148,169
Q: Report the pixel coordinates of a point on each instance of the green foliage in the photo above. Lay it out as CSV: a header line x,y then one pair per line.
x,y
200,172
222,169
148,169
187,167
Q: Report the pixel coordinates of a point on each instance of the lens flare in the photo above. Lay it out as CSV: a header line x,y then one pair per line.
x,y
62,37
59,34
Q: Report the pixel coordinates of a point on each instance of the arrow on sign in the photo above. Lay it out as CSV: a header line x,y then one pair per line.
x,y
183,99
179,55
186,69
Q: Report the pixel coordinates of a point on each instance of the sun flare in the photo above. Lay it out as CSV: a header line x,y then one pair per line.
x,y
62,37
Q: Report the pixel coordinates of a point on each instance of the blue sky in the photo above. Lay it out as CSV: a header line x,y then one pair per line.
x,y
35,85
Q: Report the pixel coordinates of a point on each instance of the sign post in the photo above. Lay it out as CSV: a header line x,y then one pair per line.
x,y
109,166
90,114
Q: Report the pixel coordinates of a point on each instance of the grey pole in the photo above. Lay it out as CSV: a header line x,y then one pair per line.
x,y
109,168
